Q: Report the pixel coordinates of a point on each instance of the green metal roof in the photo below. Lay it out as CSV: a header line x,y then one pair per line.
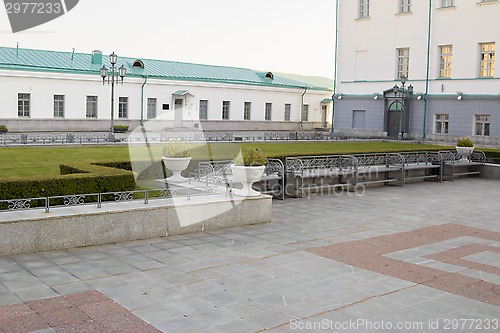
x,y
181,92
81,63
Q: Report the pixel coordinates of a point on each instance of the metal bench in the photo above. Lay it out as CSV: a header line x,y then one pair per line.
x,y
453,165
379,168
422,165
220,173
303,172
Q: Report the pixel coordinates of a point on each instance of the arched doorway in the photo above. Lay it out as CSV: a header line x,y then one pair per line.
x,y
394,118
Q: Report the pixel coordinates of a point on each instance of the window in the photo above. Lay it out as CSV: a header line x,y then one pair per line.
x,y
445,60
203,109
447,3
364,8
58,106
403,62
482,124
225,110
404,6
123,107
441,124
268,111
23,105
305,112
487,66
246,110
288,108
91,107
151,108
138,64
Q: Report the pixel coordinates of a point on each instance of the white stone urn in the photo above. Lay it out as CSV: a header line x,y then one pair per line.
x,y
464,152
246,175
176,165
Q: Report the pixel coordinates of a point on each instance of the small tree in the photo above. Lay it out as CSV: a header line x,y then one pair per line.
x,y
465,142
250,157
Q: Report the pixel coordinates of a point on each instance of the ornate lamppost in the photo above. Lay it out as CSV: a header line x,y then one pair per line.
x,y
113,78
403,93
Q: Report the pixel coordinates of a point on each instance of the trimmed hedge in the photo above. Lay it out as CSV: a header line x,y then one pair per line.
x,y
76,178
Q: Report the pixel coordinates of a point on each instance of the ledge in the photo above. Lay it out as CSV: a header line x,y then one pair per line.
x,y
36,231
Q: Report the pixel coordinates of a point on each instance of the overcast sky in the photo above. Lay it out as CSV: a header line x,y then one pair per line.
x,y
293,36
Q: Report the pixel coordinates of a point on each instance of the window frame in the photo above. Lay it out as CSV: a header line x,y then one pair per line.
x,y
404,6
23,105
484,125
91,113
447,3
363,9
487,64
151,113
268,113
441,123
226,109
59,106
203,109
403,62
305,112
247,110
445,62
288,111
123,107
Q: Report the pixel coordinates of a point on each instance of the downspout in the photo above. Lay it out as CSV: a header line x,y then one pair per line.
x,y
302,106
142,100
424,130
335,62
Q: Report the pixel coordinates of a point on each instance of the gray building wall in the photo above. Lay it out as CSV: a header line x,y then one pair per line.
x,y
461,117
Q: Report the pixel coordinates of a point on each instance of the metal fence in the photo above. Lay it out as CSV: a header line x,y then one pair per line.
x,y
98,199
163,137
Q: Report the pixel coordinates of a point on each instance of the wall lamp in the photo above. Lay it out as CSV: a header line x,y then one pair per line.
x,y
376,95
340,96
419,96
460,95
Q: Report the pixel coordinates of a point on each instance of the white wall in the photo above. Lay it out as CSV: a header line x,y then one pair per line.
x,y
75,88
463,26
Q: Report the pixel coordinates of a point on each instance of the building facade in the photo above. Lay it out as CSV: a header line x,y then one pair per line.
x,y
63,91
445,48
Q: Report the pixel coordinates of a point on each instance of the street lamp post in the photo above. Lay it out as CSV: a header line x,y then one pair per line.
x,y
113,58
403,93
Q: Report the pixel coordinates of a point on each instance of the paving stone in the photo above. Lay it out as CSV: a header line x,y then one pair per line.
x,y
310,263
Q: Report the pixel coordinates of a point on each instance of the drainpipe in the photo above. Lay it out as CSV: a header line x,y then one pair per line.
x,y
302,106
336,57
142,100
424,130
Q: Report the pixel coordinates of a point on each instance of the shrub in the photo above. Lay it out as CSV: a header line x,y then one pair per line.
x,y
75,178
177,148
120,128
3,129
465,142
250,156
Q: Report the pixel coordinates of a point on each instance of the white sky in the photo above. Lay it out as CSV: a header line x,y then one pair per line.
x,y
293,36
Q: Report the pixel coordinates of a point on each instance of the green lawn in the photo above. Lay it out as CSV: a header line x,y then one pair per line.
x,y
26,162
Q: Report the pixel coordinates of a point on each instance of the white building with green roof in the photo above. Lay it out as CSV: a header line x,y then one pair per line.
x,y
63,91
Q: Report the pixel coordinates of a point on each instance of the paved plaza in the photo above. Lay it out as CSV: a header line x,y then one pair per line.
x,y
422,258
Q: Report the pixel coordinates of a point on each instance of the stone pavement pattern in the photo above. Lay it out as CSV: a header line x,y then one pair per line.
x,y
424,255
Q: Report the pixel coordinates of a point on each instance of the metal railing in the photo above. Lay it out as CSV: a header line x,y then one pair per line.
x,y
163,137
98,199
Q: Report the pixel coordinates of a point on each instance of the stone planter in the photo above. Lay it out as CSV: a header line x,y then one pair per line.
x,y
247,175
176,165
464,153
